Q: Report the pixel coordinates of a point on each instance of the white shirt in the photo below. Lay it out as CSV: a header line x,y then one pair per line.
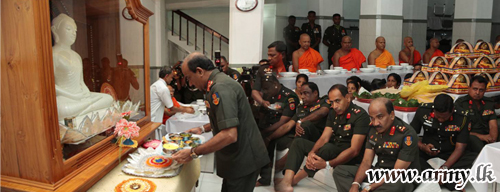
x,y
160,97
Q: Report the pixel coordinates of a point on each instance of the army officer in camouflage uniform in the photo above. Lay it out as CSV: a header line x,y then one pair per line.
x,y
341,142
284,102
392,140
446,131
239,149
481,111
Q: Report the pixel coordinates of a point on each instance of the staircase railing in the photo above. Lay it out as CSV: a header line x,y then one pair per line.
x,y
204,29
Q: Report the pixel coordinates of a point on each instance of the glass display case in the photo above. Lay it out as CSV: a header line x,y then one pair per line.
x,y
71,68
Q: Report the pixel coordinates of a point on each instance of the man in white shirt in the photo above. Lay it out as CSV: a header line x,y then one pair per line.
x,y
160,95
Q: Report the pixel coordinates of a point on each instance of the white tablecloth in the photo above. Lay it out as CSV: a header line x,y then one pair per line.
x,y
324,82
489,154
182,122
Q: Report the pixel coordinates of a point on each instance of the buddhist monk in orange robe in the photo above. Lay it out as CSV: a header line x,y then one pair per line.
x,y
409,54
348,57
433,51
306,58
380,57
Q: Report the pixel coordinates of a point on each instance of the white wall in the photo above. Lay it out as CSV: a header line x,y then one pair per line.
x,y
245,35
271,30
216,18
495,27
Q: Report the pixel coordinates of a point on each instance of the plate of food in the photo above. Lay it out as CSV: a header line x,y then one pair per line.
x,y
184,140
406,106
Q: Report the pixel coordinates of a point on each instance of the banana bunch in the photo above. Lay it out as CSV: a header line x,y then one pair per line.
x,y
422,91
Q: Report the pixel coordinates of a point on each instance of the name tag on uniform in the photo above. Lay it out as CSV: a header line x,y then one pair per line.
x,y
371,142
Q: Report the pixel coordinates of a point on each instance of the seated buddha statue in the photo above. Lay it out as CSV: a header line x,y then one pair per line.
x,y
72,95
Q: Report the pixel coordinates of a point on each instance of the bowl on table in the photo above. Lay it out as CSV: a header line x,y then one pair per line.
x,y
371,66
331,71
338,68
343,71
367,70
396,67
303,70
404,64
289,74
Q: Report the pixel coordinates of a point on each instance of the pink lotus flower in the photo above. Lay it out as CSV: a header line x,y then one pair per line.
x,y
126,129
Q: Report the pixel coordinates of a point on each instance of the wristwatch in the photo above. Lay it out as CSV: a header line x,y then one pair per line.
x,y
299,121
367,188
202,129
443,167
328,167
193,154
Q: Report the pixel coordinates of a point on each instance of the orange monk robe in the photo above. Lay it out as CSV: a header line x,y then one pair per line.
x,y
385,59
436,53
352,60
310,60
280,67
416,58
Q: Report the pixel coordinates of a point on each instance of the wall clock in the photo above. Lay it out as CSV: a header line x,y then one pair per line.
x,y
246,5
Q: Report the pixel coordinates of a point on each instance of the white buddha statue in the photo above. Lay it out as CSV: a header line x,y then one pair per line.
x,y
73,97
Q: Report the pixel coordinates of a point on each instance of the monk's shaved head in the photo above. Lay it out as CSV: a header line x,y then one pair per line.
x,y
380,43
408,41
305,35
305,41
346,43
379,38
434,42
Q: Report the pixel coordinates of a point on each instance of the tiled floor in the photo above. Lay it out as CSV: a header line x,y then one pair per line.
x,y
209,182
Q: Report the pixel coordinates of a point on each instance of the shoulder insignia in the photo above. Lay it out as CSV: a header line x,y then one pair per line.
x,y
207,104
210,83
314,108
291,100
401,128
287,93
292,106
235,77
327,101
215,98
408,140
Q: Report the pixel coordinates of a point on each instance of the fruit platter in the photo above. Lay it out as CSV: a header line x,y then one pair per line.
x,y
401,104
367,97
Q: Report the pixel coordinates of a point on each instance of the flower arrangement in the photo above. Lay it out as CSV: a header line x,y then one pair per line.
x,y
125,130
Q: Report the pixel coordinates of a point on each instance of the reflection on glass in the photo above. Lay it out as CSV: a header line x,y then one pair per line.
x,y
98,67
